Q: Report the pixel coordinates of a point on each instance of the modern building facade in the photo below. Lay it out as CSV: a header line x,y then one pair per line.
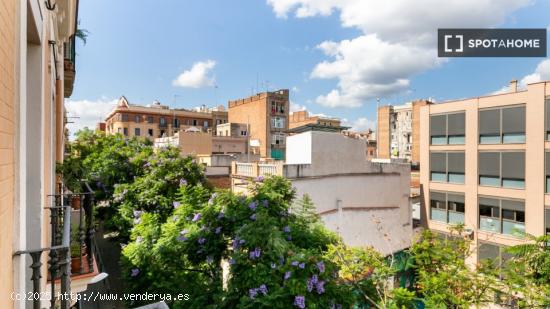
x,y
301,118
366,203
485,164
398,128
266,115
157,120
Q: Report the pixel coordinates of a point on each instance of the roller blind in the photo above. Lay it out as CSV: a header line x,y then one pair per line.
x,y
438,125
455,162
513,165
547,163
488,202
547,111
458,198
437,196
438,162
513,205
455,124
489,164
513,120
489,122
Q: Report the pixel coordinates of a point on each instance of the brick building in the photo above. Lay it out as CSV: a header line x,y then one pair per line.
x,y
266,115
300,118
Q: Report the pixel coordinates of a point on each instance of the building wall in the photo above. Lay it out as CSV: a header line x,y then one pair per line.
x,y
232,129
401,132
535,146
229,144
195,143
383,136
7,148
416,106
300,118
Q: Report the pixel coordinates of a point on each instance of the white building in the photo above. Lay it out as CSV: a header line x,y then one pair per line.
x,y
366,203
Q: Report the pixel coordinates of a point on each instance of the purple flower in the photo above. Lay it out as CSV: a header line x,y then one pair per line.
x,y
197,217
263,289
302,265
273,265
137,213
320,287
252,293
300,301
139,239
221,215
241,241
176,204
253,205
218,230
321,267
201,240
287,275
294,263
259,178
175,218
232,261
211,200
209,259
288,237
183,232
266,203
147,164
137,220
253,217
309,285
181,238
286,229
255,254
183,182
134,272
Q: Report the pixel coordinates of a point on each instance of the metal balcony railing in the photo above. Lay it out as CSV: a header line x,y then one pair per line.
x,y
61,258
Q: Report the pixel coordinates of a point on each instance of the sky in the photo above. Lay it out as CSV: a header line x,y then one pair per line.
x,y
337,57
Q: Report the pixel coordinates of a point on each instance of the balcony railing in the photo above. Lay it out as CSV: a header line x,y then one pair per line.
x,y
257,169
69,254
69,65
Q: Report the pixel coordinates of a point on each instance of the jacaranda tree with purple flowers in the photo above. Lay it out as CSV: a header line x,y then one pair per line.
x,y
273,256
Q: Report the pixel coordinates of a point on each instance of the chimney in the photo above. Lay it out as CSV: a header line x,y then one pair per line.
x,y
513,85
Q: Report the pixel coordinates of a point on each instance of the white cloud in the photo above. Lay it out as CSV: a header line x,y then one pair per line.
x,y
295,107
360,124
89,112
398,40
196,77
541,73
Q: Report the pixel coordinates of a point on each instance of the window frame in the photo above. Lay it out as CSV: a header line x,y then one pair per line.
x,y
447,206
448,137
500,212
501,135
501,179
447,172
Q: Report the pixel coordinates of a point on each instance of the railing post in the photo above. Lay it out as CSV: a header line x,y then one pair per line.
x,y
90,229
81,233
35,266
65,267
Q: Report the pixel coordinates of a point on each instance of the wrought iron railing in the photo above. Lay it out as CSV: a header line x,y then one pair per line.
x,y
62,262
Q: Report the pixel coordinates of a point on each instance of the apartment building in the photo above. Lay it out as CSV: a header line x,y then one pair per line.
x,y
398,128
486,164
158,120
266,115
366,203
38,71
301,118
203,143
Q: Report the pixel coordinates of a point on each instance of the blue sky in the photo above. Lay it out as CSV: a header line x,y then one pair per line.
x,y
335,56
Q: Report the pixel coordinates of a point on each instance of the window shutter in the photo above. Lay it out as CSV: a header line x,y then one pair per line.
x,y
513,165
455,162
455,124
438,125
489,122
513,120
489,164
438,162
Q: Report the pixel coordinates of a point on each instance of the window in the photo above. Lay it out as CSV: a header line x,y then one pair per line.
x,y
447,167
176,123
137,131
547,118
502,216
494,253
150,119
243,133
137,119
124,117
447,129
194,122
205,124
125,131
547,171
277,139
447,207
162,121
547,221
150,132
119,130
502,125
502,169
278,122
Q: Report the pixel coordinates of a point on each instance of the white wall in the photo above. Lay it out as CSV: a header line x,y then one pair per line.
x,y
298,148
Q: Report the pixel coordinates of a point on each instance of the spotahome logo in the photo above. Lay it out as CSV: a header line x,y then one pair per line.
x,y
491,42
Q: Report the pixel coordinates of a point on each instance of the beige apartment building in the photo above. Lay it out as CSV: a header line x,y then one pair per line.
x,y
38,71
486,163
398,128
301,118
157,120
266,115
203,143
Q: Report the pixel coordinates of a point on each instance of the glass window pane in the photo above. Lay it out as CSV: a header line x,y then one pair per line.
x,y
513,138
456,124
456,217
488,251
456,178
489,139
513,165
455,162
489,224
439,140
438,162
438,125
513,120
489,181
489,164
456,140
489,122
513,183
513,228
441,177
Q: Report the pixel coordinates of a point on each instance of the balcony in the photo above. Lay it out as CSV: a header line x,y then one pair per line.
x,y
71,252
256,169
69,64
